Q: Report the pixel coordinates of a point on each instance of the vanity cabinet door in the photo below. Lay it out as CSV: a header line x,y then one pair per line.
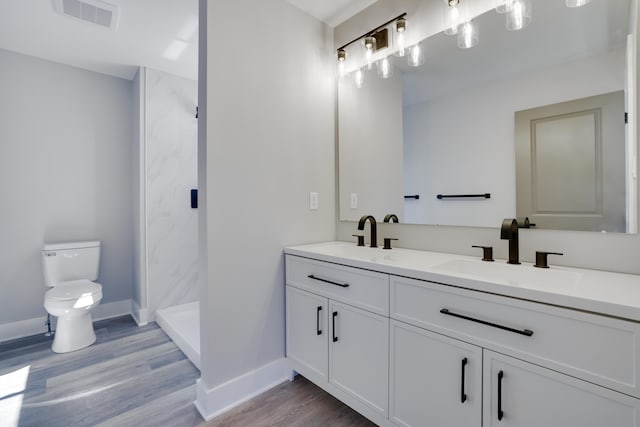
x,y
434,380
359,355
307,332
521,394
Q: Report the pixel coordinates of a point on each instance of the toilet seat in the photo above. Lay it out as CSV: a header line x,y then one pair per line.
x,y
73,290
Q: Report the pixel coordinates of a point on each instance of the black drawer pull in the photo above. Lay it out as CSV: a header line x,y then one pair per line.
x,y
342,285
526,332
333,319
463,395
500,411
318,330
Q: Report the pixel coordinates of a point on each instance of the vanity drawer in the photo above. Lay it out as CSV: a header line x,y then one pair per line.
x,y
596,348
361,288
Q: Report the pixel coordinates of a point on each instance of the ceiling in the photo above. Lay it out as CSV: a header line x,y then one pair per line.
x,y
332,12
160,34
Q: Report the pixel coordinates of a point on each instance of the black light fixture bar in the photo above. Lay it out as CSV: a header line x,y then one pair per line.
x,y
373,31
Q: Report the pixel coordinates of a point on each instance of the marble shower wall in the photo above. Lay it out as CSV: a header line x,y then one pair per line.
x,y
171,173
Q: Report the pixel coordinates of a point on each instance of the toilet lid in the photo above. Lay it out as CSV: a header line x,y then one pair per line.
x,y
73,290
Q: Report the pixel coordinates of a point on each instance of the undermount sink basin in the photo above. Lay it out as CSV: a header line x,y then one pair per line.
x,y
348,251
512,274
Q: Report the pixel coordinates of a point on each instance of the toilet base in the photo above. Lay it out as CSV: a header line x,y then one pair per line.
x,y
73,332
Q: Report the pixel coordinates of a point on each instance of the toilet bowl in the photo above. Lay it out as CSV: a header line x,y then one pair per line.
x,y
72,302
69,271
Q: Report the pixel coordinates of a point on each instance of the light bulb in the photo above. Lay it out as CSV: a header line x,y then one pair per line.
x,y
369,48
577,3
468,36
385,69
401,29
504,6
520,15
342,59
358,78
415,56
451,17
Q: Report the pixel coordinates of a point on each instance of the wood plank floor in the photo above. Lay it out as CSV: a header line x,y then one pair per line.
x,y
292,404
128,370
135,376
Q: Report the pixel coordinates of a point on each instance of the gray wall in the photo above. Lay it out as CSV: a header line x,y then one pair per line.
x,y
266,139
65,174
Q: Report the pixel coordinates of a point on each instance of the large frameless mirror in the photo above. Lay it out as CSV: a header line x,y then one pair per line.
x,y
553,96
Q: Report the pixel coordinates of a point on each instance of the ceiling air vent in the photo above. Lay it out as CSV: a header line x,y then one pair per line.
x,y
93,11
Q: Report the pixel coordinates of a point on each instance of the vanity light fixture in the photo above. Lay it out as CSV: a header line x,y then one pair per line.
x,y
416,58
504,6
577,3
358,78
385,70
453,16
468,35
342,57
456,22
369,48
401,28
372,42
519,15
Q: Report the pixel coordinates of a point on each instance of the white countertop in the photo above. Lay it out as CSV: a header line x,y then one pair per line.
x,y
613,294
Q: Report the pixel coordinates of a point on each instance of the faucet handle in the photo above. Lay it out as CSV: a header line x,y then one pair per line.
x,y
387,242
487,252
360,239
541,258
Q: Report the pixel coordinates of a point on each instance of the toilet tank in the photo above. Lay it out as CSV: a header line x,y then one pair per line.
x,y
70,261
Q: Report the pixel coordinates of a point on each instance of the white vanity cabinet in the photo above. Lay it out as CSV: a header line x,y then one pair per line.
x,y
307,331
532,338
406,346
359,355
434,380
521,394
338,331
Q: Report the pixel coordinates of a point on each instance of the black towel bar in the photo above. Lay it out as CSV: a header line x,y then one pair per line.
x,y
465,196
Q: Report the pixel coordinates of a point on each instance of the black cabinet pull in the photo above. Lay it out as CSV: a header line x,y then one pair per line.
x,y
318,330
335,314
342,285
525,332
463,396
500,411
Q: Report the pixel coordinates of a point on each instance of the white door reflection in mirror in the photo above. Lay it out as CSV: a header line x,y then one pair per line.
x,y
570,164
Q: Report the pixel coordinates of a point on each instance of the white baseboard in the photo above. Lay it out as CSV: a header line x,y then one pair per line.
x,y
111,309
214,402
140,315
22,328
36,325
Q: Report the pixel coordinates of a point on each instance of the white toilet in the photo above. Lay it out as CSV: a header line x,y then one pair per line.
x,y
70,270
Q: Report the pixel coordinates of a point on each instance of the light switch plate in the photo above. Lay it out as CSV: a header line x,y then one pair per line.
x,y
313,201
354,200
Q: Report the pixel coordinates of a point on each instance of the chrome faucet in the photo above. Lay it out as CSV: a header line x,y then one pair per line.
x,y
374,231
509,231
